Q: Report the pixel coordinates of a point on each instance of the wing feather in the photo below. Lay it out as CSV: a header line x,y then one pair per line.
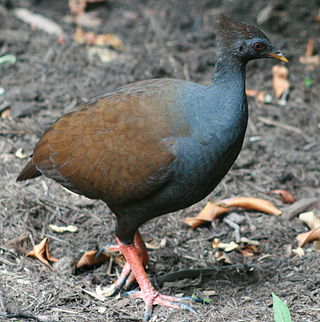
x,y
116,148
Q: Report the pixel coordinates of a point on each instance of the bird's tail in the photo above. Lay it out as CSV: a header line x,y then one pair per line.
x,y
29,172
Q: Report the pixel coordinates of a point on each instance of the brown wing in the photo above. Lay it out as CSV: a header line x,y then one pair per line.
x,y
117,148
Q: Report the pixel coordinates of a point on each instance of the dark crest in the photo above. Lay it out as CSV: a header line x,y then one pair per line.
x,y
230,30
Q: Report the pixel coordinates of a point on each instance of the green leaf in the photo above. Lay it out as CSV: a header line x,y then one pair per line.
x,y
8,59
308,82
206,300
280,310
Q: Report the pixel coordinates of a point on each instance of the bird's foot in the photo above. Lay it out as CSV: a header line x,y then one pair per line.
x,y
126,278
148,293
155,298
115,287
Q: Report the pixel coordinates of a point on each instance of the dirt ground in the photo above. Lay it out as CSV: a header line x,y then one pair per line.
x,y
176,39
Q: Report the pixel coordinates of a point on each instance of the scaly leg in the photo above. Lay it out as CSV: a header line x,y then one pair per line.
x,y
126,278
147,291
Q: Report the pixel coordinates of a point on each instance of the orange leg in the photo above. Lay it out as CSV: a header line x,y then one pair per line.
x,y
143,254
126,278
147,291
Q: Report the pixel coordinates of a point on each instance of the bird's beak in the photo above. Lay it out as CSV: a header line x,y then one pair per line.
x,y
278,55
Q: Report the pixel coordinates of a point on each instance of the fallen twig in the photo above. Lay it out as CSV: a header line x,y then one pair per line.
x,y
196,272
40,22
280,125
299,206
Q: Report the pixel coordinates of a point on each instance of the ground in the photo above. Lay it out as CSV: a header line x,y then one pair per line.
x,y
160,39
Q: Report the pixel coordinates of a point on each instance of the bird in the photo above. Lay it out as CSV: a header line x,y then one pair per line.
x,y
153,147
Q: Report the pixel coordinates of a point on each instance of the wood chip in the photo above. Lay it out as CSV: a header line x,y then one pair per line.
x,y
310,219
20,154
298,251
63,229
227,247
157,245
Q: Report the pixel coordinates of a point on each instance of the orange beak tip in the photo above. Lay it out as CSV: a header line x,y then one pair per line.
x,y
278,57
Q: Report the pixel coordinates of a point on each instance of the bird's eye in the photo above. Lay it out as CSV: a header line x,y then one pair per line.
x,y
258,45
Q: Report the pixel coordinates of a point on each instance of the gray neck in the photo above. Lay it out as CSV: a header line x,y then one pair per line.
x,y
229,71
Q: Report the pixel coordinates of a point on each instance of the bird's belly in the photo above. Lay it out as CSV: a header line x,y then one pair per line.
x,y
200,174
195,175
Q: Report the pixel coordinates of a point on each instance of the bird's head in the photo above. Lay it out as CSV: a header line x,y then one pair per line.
x,y
245,42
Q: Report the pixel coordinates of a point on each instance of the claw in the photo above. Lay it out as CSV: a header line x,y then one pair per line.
x,y
156,298
148,314
188,308
133,293
99,252
109,248
194,299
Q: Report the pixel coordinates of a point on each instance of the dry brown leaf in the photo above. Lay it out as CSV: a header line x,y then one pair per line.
x,y
286,196
212,210
102,40
109,40
89,258
308,237
209,213
310,219
260,96
63,229
312,236
41,252
252,203
249,251
5,111
312,60
309,47
5,114
280,81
